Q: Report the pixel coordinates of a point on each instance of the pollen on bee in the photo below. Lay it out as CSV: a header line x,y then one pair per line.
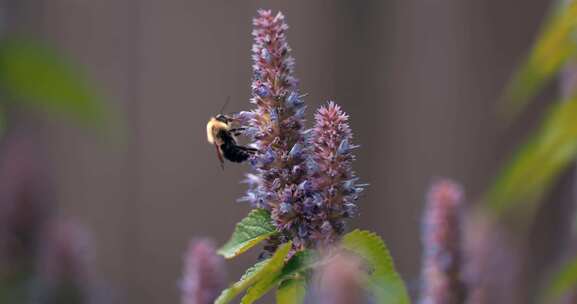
x,y
212,128
209,135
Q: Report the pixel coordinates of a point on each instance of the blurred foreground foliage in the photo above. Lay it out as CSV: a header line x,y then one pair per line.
x,y
43,258
34,76
537,164
555,45
552,148
562,282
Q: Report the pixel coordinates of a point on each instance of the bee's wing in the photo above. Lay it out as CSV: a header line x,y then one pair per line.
x,y
219,155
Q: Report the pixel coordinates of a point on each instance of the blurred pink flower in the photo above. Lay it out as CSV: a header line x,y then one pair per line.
x,y
442,258
65,266
204,274
492,261
339,280
26,202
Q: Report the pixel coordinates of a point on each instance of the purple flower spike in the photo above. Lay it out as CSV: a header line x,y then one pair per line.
x,y
204,274
334,178
442,282
343,147
296,151
277,127
303,177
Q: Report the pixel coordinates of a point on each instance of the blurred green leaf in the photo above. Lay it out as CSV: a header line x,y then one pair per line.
x,y
555,44
562,283
261,271
38,77
14,288
384,282
253,229
538,163
291,291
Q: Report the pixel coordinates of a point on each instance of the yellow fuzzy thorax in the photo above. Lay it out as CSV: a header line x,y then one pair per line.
x,y
212,128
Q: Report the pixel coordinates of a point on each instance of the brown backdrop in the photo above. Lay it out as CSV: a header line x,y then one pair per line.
x,y
419,78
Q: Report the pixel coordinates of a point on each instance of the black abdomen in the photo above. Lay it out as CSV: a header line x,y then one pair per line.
x,y
234,153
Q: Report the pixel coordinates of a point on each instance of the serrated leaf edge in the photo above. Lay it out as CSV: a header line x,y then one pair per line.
x,y
246,245
272,276
373,242
252,275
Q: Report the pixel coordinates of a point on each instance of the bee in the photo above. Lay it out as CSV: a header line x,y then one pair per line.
x,y
223,137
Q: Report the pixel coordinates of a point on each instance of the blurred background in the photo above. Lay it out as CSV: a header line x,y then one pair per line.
x,y
420,79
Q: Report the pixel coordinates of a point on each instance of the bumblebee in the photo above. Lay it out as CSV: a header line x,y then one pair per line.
x,y
223,137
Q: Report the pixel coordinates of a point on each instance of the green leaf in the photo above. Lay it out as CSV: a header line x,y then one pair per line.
x,y
291,270
299,263
37,77
248,278
291,291
538,163
255,274
562,283
14,288
384,282
253,229
553,47
268,280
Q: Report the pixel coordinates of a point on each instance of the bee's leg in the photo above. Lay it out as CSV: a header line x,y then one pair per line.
x,y
219,155
237,131
248,149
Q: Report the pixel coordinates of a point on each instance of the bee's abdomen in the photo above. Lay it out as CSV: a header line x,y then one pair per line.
x,y
234,153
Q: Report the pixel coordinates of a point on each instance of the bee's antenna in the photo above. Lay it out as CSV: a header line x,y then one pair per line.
x,y
225,104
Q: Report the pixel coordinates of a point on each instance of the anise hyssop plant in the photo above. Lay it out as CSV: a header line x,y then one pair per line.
x,y
302,187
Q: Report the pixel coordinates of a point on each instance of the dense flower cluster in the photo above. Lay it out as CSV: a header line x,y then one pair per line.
x,y
334,185
442,283
277,129
307,192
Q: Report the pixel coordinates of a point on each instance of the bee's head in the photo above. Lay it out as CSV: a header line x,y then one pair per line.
x,y
223,118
